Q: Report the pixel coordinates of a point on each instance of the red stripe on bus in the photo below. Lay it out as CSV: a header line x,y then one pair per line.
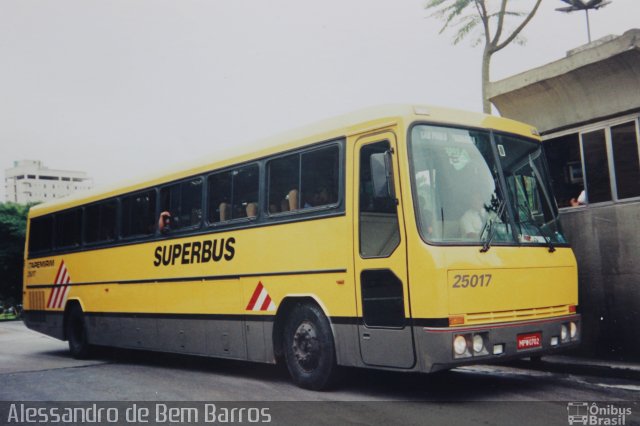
x,y
55,282
266,303
254,296
64,291
63,279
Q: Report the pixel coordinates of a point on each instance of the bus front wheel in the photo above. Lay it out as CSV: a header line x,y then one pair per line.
x,y
76,331
309,348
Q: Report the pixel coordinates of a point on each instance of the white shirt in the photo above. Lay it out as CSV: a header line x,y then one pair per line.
x,y
472,222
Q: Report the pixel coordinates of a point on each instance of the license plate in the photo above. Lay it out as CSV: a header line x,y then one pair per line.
x,y
529,340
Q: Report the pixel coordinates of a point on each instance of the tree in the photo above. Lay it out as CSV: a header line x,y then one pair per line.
x,y
458,13
13,220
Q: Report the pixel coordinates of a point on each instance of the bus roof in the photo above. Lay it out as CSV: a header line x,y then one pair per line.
x,y
341,126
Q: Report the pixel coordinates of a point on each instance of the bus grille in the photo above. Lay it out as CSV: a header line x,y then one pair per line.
x,y
36,300
518,315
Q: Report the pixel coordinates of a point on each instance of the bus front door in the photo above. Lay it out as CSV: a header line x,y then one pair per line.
x,y
384,319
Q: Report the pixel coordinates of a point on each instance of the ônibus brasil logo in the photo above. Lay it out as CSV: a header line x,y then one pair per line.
x,y
584,413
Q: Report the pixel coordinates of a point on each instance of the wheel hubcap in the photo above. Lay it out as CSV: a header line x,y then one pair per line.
x,y
306,347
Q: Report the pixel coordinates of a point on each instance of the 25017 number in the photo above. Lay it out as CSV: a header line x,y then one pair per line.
x,y
464,281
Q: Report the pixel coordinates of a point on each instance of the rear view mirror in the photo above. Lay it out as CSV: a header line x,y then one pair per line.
x,y
382,175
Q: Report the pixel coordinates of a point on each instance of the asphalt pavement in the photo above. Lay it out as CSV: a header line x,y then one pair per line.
x,y
37,369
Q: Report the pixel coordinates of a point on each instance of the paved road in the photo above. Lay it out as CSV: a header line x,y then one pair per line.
x,y
34,367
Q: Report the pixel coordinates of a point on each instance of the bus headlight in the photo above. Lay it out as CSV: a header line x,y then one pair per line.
x,y
460,345
573,330
564,333
478,343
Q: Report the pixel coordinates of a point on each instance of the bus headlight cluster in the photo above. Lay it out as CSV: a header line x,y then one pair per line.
x,y
568,332
469,345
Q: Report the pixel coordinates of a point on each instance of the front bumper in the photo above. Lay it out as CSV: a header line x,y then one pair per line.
x,y
434,345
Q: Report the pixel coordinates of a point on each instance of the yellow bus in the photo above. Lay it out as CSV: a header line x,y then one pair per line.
x,y
406,238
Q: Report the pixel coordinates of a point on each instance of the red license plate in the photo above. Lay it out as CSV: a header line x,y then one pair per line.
x,y
529,340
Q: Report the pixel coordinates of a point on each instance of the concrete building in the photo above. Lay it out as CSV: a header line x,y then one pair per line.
x,y
587,108
30,181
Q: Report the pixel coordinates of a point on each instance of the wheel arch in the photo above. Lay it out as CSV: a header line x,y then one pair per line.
x,y
67,308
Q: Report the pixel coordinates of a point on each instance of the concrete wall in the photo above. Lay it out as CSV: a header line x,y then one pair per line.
x,y
606,242
600,80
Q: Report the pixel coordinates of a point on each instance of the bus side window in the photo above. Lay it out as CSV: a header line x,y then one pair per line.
x,y
233,194
41,234
100,221
138,214
320,177
184,203
68,228
283,183
304,180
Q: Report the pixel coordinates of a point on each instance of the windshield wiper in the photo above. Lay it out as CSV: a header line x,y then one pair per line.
x,y
486,244
491,230
538,228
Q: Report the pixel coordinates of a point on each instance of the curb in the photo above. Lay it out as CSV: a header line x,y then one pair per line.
x,y
582,366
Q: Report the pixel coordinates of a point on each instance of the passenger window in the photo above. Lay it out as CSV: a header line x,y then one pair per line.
x,y
233,194
284,186
320,177
183,201
41,233
305,180
68,228
100,221
138,214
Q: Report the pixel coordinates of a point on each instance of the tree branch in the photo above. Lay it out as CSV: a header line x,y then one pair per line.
x,y
482,11
517,30
503,8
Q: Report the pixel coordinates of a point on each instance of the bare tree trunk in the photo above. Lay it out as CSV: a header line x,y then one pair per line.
x,y
486,66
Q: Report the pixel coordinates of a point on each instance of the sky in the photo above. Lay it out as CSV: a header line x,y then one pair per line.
x,y
123,88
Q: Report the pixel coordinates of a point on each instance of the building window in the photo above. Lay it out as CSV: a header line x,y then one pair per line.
x,y
625,159
594,149
565,164
609,158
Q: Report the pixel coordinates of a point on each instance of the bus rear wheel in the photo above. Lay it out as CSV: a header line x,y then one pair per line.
x,y
76,332
309,348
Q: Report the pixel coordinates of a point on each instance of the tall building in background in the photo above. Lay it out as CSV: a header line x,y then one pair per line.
x,y
30,181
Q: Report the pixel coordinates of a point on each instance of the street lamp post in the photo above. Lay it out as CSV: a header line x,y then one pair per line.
x,y
585,5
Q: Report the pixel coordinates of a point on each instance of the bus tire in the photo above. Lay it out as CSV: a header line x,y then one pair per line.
x,y
309,348
76,332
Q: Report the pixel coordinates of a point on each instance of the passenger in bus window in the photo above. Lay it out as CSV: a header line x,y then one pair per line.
x,y
473,220
225,211
292,197
580,201
164,222
252,210
322,196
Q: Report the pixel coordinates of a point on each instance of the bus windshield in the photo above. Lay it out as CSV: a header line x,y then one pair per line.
x,y
459,193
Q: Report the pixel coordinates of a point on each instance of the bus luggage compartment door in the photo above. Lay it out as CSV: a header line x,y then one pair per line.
x,y
384,320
